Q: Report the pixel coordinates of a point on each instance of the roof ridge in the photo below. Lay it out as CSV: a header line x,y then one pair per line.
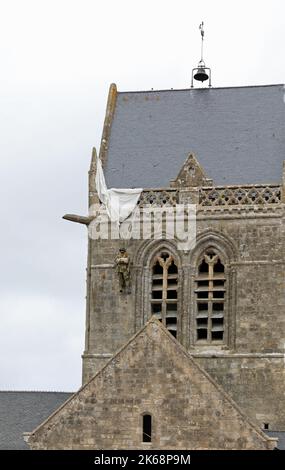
x,y
195,89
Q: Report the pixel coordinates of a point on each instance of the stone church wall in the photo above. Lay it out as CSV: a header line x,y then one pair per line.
x,y
152,375
254,242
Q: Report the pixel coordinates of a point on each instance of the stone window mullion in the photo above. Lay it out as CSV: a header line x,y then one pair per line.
x,y
210,299
164,291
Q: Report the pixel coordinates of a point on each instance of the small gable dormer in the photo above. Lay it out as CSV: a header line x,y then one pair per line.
x,y
191,174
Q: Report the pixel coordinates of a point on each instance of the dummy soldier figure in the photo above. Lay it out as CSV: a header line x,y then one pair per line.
x,y
123,269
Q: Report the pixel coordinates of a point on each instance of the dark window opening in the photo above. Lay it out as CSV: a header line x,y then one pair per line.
x,y
202,322
171,308
171,321
218,307
219,267
157,294
172,294
202,334
217,335
156,310
217,324
266,426
164,256
218,294
147,428
203,268
202,295
172,268
202,307
157,269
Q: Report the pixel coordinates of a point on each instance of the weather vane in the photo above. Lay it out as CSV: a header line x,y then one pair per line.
x,y
199,73
201,27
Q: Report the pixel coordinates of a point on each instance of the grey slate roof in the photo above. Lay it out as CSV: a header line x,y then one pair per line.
x,y
23,412
237,134
281,438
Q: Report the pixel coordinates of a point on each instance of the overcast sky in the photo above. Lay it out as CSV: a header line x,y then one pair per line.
x,y
57,59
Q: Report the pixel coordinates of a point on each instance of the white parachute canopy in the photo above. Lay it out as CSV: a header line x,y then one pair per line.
x,y
119,203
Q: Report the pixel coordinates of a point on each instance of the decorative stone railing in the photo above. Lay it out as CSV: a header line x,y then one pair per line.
x,y
159,197
259,194
240,195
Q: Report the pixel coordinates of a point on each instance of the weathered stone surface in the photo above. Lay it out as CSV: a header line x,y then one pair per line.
x,y
151,374
253,244
244,224
255,383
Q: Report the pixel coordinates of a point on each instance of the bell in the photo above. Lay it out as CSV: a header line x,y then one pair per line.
x,y
201,75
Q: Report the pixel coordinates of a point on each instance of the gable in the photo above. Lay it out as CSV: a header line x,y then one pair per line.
x,y
191,174
237,135
151,374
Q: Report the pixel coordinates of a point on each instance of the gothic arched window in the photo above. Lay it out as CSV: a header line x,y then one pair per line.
x,y
210,289
164,286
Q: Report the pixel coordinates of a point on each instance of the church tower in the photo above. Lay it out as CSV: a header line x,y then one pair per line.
x,y
222,150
